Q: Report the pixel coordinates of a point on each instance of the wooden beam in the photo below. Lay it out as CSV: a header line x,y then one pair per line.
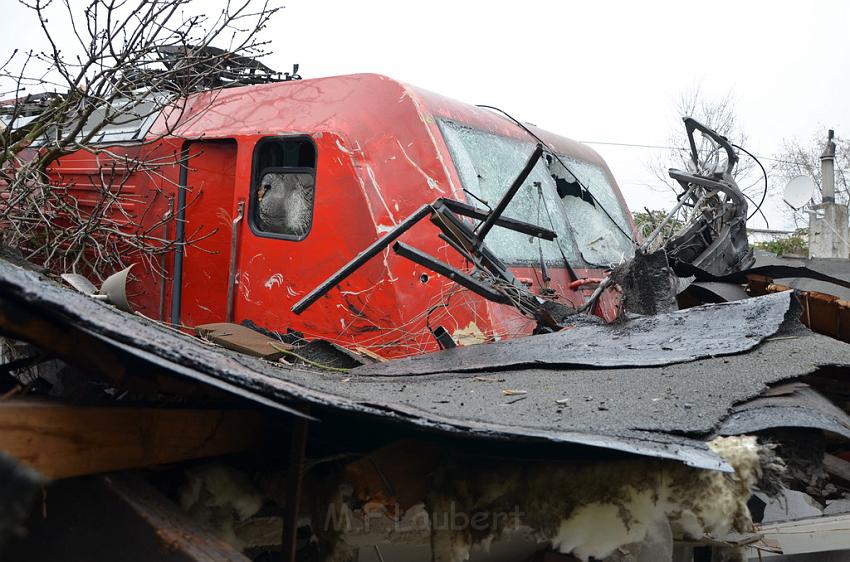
x,y
89,354
60,441
242,339
837,467
295,473
806,536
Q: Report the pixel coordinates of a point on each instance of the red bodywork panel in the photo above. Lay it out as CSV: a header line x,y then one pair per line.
x,y
211,178
380,155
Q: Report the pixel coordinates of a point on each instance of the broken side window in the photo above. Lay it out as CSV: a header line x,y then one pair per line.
x,y
127,120
123,120
284,187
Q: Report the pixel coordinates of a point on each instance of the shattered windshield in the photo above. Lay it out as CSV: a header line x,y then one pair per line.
x,y
487,165
599,221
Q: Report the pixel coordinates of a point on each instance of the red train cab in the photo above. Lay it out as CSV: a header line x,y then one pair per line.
x,y
259,193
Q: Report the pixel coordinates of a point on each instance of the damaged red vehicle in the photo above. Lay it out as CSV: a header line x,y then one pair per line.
x,y
281,184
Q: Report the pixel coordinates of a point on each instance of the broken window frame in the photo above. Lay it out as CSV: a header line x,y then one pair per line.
x,y
601,191
130,120
257,173
566,246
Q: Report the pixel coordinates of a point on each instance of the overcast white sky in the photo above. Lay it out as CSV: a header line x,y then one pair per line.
x,y
594,71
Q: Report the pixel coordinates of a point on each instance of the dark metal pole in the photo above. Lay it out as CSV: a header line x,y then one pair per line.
x,y
490,218
163,263
179,237
234,250
364,256
298,446
444,269
485,227
461,208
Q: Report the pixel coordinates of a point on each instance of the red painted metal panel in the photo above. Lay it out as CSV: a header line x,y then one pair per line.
x,y
210,184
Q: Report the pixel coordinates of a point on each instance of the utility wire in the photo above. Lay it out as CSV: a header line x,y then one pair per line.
x,y
663,147
750,154
557,157
648,146
764,192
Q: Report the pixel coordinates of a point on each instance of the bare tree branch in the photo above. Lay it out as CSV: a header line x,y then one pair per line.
x,y
129,62
718,114
797,158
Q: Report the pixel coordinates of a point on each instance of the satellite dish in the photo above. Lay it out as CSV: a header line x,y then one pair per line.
x,y
798,192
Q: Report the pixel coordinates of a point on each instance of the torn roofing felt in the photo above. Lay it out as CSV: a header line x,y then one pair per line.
x,y
665,412
676,337
827,270
680,399
825,274
793,404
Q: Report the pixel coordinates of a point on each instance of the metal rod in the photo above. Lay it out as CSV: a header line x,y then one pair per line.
x,y
446,270
590,302
489,217
24,363
373,250
669,216
297,449
179,237
457,230
467,210
163,258
234,249
490,221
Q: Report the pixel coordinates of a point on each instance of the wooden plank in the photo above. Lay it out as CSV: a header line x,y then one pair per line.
x,y
60,441
805,536
242,339
396,475
169,523
259,531
837,468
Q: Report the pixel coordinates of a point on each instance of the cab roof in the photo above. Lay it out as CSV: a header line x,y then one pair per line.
x,y
353,104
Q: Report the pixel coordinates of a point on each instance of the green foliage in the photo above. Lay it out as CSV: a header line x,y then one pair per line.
x,y
648,220
796,244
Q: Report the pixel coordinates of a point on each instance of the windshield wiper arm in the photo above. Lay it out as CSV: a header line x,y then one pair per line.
x,y
494,215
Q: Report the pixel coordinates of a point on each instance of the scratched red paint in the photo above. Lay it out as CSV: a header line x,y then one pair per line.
x,y
380,156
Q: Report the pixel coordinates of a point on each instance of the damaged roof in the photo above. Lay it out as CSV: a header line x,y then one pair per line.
x,y
642,341
837,268
655,399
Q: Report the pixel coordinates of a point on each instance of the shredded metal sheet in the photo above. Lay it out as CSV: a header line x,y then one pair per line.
x,y
665,339
664,412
